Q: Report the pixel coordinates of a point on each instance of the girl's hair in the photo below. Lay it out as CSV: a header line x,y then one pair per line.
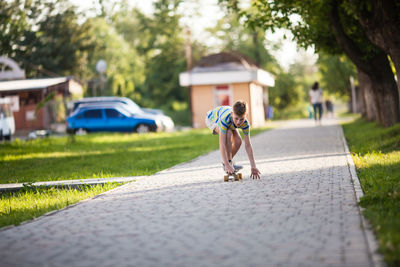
x,y
315,86
240,108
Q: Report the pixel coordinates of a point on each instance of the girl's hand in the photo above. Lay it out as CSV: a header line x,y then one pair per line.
x,y
229,169
255,173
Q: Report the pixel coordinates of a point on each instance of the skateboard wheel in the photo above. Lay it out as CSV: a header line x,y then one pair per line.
x,y
226,178
240,176
237,177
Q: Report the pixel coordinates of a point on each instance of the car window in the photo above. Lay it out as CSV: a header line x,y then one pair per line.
x,y
93,114
112,113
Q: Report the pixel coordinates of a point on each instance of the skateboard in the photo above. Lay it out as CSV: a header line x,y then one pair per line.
x,y
236,176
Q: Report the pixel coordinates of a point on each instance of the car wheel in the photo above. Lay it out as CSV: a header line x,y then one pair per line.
x,y
1,135
7,137
142,128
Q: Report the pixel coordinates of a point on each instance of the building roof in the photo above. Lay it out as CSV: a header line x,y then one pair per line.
x,y
225,67
31,84
224,61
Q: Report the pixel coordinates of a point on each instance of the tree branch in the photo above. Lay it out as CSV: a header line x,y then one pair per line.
x,y
345,42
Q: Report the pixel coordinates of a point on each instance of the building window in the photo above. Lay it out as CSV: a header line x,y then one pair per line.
x,y
222,95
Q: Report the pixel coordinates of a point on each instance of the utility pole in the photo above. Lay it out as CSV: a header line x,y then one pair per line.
x,y
353,96
188,54
101,67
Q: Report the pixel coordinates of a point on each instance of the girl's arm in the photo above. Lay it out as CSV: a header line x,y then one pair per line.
x,y
255,173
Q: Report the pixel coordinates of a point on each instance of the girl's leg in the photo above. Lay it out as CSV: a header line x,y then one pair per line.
x,y
229,135
320,110
315,111
237,142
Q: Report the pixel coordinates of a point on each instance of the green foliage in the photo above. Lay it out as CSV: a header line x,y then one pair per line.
x,y
290,87
335,71
312,26
159,42
285,92
166,56
125,68
292,112
310,23
13,22
376,154
234,35
44,37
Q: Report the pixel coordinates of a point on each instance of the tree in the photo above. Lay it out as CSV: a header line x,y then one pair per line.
x,y
125,67
163,49
373,64
13,23
236,36
337,34
44,37
380,22
335,73
286,92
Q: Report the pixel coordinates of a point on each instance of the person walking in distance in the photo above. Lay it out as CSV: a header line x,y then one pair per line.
x,y
316,100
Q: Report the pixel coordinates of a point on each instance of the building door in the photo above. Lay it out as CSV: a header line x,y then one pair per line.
x,y
222,95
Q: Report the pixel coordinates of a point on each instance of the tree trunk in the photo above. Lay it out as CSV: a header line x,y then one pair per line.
x,y
395,56
367,98
384,87
381,26
385,91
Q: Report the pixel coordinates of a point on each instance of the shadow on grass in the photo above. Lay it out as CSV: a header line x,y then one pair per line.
x,y
98,141
371,137
110,164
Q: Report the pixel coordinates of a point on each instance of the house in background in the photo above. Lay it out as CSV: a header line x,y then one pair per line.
x,y
36,103
223,78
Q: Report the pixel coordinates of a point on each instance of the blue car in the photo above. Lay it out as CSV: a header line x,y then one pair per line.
x,y
166,123
110,118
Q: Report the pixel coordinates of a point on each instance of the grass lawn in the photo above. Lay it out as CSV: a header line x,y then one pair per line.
x,y
100,155
31,202
376,154
91,156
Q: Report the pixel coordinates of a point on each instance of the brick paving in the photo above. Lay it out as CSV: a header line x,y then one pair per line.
x,y
302,212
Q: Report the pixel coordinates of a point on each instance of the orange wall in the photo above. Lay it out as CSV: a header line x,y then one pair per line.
x,y
241,91
202,101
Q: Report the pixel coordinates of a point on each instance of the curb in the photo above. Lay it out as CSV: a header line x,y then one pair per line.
x,y
56,211
67,183
372,243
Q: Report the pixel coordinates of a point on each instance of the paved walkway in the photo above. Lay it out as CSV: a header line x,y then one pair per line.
x,y
302,212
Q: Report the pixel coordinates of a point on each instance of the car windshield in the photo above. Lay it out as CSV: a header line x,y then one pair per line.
x,y
133,108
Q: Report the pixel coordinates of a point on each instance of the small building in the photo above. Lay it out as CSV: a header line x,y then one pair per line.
x,y
221,79
39,103
36,103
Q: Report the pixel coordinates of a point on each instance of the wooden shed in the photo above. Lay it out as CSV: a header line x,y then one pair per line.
x,y
26,96
221,79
